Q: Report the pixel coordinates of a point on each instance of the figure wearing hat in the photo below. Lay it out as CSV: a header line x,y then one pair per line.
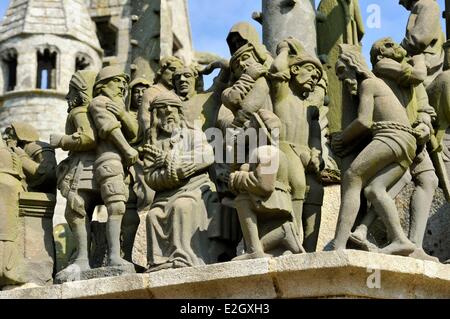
x,y
181,228
38,158
163,83
263,201
76,172
249,65
295,74
115,127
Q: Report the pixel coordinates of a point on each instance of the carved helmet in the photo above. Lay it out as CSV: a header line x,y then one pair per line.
x,y
110,72
84,81
164,99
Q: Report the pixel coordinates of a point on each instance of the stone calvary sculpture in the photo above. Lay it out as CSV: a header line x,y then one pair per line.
x,y
240,170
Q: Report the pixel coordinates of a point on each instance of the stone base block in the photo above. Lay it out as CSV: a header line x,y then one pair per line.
x,y
343,274
72,274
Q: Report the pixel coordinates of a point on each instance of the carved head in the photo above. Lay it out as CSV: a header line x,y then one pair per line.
x,y
19,134
166,115
167,67
137,89
112,82
185,81
386,48
351,67
80,88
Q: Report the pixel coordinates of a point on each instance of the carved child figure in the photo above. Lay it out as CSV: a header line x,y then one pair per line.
x,y
381,163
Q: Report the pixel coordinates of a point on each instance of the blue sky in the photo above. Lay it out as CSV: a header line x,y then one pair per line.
x,y
212,19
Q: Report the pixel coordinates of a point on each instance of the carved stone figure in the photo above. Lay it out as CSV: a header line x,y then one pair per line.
x,y
204,107
38,158
338,22
249,65
141,195
163,83
439,95
405,77
424,35
180,224
263,201
76,173
11,176
383,161
295,75
115,128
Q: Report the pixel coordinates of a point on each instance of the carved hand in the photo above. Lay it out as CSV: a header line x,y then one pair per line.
x,y
19,151
315,162
55,140
115,109
256,70
185,170
425,133
131,156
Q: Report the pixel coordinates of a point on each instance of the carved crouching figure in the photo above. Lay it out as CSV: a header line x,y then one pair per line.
x,y
381,163
11,176
38,158
263,201
176,160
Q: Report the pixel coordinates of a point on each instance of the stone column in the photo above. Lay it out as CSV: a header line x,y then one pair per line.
x,y
283,18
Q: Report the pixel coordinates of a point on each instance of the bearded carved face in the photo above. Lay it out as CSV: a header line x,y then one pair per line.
x,y
117,87
74,97
348,76
306,77
168,118
392,50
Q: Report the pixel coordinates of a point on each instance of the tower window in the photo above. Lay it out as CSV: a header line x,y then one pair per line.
x,y
46,73
9,59
107,36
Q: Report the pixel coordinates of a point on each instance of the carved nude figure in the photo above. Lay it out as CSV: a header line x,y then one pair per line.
x,y
381,163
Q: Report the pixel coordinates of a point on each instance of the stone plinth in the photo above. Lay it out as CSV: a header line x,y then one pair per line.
x,y
35,240
349,273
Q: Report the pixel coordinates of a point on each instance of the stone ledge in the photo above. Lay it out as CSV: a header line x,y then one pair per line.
x,y
317,275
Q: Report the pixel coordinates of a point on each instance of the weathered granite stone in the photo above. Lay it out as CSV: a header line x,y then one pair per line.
x,y
343,274
101,272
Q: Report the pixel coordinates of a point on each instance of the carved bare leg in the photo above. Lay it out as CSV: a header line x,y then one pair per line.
x,y
80,231
376,193
113,227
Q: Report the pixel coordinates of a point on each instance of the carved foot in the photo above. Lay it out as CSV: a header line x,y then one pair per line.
x,y
419,253
255,255
117,261
401,248
361,241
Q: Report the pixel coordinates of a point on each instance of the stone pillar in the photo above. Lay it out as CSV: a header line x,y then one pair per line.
x,y
283,18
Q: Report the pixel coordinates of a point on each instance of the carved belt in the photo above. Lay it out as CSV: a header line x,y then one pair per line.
x,y
395,126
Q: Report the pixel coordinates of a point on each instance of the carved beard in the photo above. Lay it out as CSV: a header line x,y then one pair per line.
x,y
116,97
169,128
352,86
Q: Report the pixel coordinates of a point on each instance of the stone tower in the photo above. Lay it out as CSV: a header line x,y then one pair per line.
x,y
42,43
136,34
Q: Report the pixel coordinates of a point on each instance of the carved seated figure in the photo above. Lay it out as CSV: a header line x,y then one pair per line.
x,y
180,224
383,161
38,158
263,199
